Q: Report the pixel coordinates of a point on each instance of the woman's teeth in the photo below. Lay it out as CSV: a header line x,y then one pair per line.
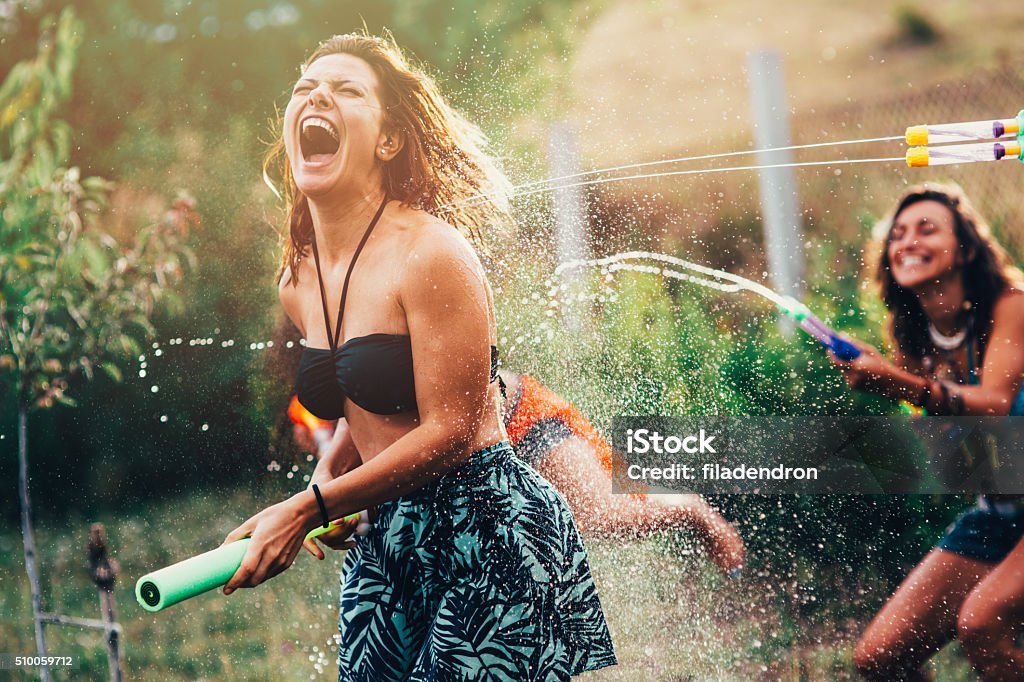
x,y
319,123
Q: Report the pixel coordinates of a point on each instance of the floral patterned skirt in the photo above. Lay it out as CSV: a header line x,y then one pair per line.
x,y
479,576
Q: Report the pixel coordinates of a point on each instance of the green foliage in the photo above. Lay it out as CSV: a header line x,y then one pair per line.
x,y
915,27
72,299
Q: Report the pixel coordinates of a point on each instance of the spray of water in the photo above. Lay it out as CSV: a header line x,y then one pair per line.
x,y
707,277
550,184
702,157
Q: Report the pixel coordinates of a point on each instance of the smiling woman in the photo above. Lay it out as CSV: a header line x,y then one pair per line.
x,y
957,307
957,311
474,567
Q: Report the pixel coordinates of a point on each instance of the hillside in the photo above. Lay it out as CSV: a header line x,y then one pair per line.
x,y
656,77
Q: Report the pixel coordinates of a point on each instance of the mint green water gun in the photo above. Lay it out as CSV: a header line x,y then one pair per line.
x,y
166,587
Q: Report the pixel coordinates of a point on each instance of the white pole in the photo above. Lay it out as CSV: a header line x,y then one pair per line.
x,y
780,205
570,207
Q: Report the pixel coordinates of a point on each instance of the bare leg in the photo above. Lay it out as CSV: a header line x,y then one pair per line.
x,y
919,618
991,618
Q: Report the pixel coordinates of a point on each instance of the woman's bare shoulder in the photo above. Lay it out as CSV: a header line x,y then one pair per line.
x,y
1012,295
1009,305
433,243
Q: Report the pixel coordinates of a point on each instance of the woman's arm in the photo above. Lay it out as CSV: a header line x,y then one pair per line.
x,y
339,457
871,372
288,295
444,296
1001,376
1003,372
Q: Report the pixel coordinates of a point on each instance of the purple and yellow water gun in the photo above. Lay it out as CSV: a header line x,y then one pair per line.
x,y
1006,141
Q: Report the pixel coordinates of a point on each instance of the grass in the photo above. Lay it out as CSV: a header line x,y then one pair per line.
x,y
673,616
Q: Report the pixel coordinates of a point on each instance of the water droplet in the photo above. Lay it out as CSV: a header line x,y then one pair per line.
x,y
163,419
158,353
154,388
142,374
206,427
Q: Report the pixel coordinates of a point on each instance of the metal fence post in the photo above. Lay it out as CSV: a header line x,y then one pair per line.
x,y
783,233
570,207
103,570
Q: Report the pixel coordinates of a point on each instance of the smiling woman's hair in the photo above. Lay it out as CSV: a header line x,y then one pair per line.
x,y
441,168
986,269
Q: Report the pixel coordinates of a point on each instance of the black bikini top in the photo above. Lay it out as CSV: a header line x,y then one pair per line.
x,y
374,371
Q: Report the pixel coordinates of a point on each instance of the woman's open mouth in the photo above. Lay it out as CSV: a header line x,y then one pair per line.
x,y
319,140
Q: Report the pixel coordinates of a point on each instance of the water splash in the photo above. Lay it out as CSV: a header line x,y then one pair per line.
x,y
712,278
703,171
557,183
701,157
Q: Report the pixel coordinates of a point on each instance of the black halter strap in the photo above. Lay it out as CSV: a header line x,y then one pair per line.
x,y
332,341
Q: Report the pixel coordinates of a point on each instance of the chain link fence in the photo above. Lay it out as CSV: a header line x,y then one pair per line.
x,y
716,215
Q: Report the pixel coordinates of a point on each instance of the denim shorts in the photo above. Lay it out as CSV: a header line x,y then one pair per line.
x,y
984,532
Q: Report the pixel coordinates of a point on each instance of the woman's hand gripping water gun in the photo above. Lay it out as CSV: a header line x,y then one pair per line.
x,y
862,365
163,588
186,579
